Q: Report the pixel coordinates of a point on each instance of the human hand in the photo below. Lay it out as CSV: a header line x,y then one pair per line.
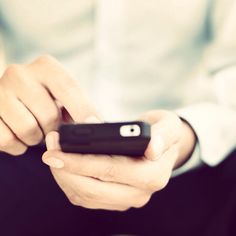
x,y
119,182
29,103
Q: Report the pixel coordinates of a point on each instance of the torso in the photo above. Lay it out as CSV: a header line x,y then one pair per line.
x,y
139,54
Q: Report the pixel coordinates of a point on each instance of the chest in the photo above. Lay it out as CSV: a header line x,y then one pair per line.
x,y
170,17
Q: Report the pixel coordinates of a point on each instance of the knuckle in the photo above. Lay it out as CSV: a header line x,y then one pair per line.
x,y
18,151
51,121
31,132
147,181
122,208
161,113
13,71
154,183
31,129
74,200
161,184
7,140
142,201
78,201
167,113
45,59
11,145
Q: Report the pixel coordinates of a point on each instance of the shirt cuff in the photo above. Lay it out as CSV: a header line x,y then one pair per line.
x,y
192,163
215,128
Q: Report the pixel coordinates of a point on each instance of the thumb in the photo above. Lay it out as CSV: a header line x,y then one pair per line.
x,y
165,133
52,141
156,145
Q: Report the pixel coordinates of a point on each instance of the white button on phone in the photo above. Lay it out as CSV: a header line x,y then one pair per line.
x,y
130,130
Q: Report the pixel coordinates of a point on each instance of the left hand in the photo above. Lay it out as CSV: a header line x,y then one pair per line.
x,y
120,182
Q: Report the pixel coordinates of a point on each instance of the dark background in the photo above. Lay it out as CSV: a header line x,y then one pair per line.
x,y
200,202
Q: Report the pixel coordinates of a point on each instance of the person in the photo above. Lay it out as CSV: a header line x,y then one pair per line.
x,y
133,67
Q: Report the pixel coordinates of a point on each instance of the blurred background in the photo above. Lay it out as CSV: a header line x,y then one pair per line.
x,y
129,55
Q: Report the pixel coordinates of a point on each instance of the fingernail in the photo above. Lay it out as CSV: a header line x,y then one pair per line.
x,y
54,162
50,142
158,145
92,119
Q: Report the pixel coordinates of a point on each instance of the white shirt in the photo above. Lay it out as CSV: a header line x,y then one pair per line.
x,y
133,56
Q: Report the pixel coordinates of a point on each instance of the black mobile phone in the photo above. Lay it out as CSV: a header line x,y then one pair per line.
x,y
125,138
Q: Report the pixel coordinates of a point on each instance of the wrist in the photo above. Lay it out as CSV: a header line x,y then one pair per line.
x,y
187,144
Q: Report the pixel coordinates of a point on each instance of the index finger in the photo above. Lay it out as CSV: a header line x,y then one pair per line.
x,y
140,173
63,88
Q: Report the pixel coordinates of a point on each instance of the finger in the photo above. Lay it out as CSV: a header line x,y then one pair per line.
x,y
52,141
115,169
75,198
153,116
8,141
92,120
63,88
41,105
73,98
103,167
21,122
165,133
92,193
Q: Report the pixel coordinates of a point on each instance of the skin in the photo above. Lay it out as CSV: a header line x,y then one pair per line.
x,y
107,182
35,98
33,101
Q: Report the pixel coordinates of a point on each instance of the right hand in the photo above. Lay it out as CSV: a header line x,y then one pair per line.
x,y
29,98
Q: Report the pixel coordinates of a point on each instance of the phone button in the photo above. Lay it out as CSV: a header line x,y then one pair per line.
x,y
130,130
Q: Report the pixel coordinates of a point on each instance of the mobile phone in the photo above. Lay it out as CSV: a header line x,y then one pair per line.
x,y
123,138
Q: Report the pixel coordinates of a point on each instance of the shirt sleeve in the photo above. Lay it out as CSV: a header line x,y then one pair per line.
x,y
215,122
193,163
215,127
